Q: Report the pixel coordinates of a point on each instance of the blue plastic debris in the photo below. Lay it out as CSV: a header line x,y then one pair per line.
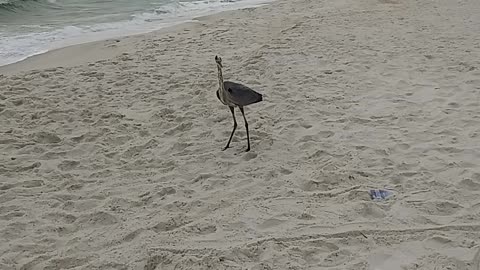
x,y
380,194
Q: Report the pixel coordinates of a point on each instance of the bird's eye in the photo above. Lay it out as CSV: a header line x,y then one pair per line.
x,y
229,90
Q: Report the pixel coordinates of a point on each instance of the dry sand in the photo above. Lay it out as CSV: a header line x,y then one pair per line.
x,y
117,163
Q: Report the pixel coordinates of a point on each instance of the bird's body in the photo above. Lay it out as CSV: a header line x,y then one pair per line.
x,y
234,95
237,94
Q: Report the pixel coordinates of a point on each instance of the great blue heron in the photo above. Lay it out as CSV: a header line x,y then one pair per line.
x,y
235,95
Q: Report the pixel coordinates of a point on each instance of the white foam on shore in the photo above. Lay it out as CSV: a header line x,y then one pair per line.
x,y
18,47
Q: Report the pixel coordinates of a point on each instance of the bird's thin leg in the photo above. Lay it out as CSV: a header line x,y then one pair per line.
x,y
232,109
246,126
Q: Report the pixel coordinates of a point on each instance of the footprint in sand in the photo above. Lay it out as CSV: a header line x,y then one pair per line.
x,y
81,205
439,208
66,263
129,237
437,242
322,245
12,215
270,223
402,146
469,184
154,261
32,183
6,186
46,137
307,138
337,258
166,191
59,217
285,171
68,165
315,186
171,224
53,155
28,167
138,149
202,228
13,230
249,156
370,210
98,219
318,136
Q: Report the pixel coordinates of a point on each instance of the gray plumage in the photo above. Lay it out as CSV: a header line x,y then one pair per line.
x,y
234,95
239,94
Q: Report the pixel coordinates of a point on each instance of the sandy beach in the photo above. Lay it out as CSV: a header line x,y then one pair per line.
x,y
111,152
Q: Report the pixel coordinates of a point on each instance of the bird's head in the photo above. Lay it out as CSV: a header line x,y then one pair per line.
x,y
218,60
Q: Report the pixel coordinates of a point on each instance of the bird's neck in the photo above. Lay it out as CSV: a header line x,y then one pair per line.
x,y
220,78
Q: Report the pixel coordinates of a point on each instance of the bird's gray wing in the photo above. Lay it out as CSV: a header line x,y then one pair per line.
x,y
240,94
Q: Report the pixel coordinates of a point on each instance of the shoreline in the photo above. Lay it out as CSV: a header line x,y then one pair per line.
x,y
83,53
71,49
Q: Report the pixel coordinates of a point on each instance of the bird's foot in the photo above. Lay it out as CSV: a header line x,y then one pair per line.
x,y
225,148
248,149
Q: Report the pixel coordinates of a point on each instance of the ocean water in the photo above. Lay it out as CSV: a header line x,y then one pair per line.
x,y
29,27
